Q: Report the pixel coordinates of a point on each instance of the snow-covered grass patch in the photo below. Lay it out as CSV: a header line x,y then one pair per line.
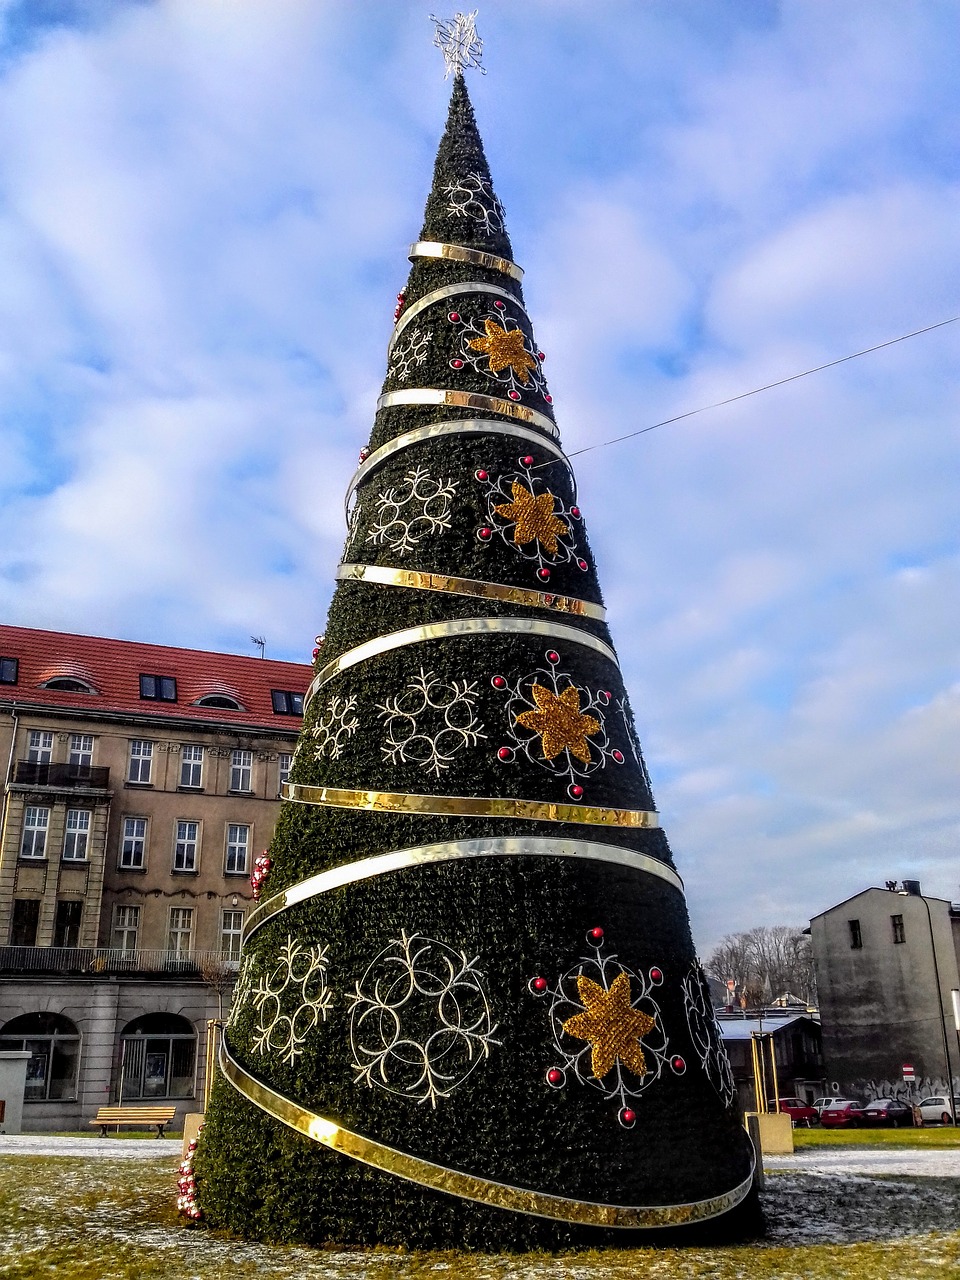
x,y
943,1136
115,1220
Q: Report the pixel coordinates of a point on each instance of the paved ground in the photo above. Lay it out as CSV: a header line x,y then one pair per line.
x,y
41,1144
867,1161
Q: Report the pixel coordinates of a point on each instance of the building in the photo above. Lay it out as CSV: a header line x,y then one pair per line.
x,y
797,1050
886,962
140,781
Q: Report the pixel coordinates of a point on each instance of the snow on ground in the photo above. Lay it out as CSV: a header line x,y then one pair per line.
x,y
932,1162
48,1144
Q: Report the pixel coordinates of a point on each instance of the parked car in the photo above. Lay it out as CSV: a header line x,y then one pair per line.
x,y
800,1112
846,1112
937,1109
888,1111
821,1104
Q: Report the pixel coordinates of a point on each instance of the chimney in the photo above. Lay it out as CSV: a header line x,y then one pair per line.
x,y
912,887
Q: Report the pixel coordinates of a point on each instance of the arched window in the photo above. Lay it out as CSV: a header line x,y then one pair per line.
x,y
67,684
158,1054
219,700
53,1043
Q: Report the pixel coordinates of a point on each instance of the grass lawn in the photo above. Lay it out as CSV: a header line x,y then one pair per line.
x,y
945,1136
115,1220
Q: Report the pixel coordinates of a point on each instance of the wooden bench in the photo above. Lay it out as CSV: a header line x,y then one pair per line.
x,y
134,1115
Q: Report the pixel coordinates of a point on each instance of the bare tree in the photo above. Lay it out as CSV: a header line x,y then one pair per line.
x,y
765,963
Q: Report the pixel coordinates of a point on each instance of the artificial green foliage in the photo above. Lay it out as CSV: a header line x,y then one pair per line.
x,y
447,716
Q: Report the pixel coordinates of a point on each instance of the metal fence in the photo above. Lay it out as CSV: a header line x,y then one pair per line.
x,y
210,965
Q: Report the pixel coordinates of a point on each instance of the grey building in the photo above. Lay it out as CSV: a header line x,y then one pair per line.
x,y
886,962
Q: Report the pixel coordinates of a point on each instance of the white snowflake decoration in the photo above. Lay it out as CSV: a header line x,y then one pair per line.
x,y
705,1034
420,1021
337,724
459,43
409,354
473,196
450,708
411,511
284,1024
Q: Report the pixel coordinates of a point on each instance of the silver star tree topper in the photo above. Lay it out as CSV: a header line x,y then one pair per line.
x,y
459,43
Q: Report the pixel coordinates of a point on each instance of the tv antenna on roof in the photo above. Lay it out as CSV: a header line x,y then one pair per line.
x,y
261,643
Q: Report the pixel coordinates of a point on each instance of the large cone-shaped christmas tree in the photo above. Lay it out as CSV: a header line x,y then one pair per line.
x,y
469,1011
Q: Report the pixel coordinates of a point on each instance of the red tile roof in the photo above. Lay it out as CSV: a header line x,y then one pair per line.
x,y
114,667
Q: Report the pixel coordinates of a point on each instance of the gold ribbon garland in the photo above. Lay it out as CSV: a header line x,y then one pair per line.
x,y
468,1186
385,576
460,253
467,400
423,855
458,426
468,806
448,291
456,628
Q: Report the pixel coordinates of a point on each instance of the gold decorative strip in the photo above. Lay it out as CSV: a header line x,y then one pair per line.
x,y
454,850
455,628
468,806
448,291
388,577
469,1186
467,400
460,253
459,426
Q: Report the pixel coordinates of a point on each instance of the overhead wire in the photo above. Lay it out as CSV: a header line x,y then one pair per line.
x,y
768,386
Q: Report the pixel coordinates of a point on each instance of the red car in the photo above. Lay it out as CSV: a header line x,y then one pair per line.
x,y
803,1116
847,1114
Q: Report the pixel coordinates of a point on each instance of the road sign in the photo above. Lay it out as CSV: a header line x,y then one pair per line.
x,y
908,1072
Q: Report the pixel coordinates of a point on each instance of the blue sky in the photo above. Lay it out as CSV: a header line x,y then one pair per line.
x,y
204,211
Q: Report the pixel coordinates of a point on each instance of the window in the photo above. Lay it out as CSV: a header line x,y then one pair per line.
x,y
8,670
141,761
856,939
158,688
284,765
53,1043
68,684
76,835
133,845
230,931
126,928
896,923
191,765
286,703
157,1057
39,746
81,750
33,843
185,846
238,848
66,928
221,700
181,928
26,920
241,770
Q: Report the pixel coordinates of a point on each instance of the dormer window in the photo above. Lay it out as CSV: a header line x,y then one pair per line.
x,y
218,700
9,668
286,703
158,688
68,684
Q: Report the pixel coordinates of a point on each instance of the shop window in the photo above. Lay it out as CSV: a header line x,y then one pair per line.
x,y
53,1043
158,1055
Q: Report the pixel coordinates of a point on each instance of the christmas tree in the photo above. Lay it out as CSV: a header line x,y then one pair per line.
x,y
469,1011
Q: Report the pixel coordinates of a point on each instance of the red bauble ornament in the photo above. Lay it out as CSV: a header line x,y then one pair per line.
x,y
582,564
628,1117
575,512
539,984
548,398
504,753
527,461
498,682
498,303
618,756
543,574
656,975
553,656
595,934
456,364
576,792
481,475
678,1065
454,316
555,1077
541,355
485,534
514,395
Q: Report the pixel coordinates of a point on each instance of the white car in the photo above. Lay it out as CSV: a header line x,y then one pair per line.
x,y
822,1104
936,1110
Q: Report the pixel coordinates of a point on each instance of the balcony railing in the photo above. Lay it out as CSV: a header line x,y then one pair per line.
x,y
210,965
92,777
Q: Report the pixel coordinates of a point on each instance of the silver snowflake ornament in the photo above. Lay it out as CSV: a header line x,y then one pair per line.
x,y
459,43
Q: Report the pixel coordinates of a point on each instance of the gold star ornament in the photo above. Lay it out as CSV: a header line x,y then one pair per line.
x,y
505,349
560,722
610,1024
534,518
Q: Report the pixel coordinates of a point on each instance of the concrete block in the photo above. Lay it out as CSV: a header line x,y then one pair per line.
x,y
776,1132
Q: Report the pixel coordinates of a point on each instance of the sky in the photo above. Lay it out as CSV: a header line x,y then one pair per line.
x,y
205,207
